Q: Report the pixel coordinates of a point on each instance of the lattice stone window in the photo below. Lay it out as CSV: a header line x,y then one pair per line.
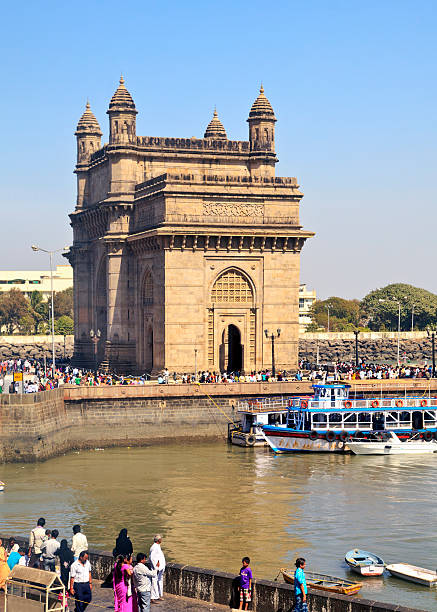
x,y
231,286
148,288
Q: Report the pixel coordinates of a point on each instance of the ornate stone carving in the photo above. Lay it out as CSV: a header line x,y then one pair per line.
x,y
233,210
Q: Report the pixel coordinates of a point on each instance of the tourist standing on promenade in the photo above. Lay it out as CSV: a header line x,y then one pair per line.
x,y
36,540
125,599
66,559
123,544
300,587
4,567
14,556
79,543
246,578
158,560
49,551
143,577
80,582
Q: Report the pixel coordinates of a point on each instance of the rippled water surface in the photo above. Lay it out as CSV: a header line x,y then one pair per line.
x,y
215,503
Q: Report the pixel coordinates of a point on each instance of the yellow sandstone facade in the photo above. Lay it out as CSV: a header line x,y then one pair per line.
x,y
185,249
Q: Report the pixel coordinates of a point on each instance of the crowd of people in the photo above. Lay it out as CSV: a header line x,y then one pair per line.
x,y
345,370
136,585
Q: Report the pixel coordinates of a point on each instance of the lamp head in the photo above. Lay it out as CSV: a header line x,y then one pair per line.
x,y
92,333
279,332
34,247
266,333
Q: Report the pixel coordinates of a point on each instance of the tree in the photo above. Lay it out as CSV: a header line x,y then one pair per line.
x,y
63,303
27,324
380,307
64,325
344,315
13,306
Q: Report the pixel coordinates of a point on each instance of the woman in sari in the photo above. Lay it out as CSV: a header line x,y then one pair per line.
x,y
66,558
125,599
4,567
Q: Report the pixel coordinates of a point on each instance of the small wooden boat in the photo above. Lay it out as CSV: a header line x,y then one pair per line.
x,y
322,582
420,575
364,563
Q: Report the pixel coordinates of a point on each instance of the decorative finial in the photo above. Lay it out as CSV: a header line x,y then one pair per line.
x,y
215,111
87,106
121,80
261,89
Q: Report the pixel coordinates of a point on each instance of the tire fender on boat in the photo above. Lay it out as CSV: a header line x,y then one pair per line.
x,y
314,435
427,436
250,440
344,436
330,436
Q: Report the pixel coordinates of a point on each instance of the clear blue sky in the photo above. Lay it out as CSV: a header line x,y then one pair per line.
x,y
353,86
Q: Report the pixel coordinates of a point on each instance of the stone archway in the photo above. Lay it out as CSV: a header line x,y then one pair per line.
x,y
147,321
101,309
232,322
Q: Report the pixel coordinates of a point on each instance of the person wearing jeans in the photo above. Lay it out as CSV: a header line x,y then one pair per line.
x,y
143,575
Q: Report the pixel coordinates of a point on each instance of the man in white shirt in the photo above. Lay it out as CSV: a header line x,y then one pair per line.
x,y
80,581
49,549
79,542
36,539
158,560
143,577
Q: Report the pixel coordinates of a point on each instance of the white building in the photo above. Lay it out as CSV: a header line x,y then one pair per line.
x,y
306,300
37,280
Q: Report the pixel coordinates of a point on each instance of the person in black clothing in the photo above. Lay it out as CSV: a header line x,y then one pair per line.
x,y
66,558
123,544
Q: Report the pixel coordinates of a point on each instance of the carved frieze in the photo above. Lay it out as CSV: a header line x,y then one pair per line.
x,y
233,210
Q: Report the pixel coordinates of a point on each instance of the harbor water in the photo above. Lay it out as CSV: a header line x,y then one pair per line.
x,y
215,503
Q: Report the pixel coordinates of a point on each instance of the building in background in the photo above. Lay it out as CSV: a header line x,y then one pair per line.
x,y
185,250
37,280
306,301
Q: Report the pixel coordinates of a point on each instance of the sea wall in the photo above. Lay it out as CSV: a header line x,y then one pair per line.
x,y
381,347
38,426
35,347
221,588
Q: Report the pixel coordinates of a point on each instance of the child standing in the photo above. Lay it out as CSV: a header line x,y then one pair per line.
x,y
246,578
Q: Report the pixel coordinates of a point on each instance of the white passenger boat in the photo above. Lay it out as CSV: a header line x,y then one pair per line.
x,y
252,416
392,445
329,420
419,575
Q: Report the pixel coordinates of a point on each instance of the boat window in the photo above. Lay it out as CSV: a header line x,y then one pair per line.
x,y
430,416
405,418
364,419
319,420
350,418
335,418
274,418
391,420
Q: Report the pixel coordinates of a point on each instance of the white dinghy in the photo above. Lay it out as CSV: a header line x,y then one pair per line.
x,y
392,445
419,575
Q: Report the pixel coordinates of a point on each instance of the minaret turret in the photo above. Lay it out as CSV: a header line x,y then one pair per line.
x,y
262,135
215,128
122,116
88,135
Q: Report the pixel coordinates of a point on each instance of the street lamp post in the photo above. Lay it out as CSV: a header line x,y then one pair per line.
x,y
356,332
328,308
412,318
273,338
432,334
195,365
51,253
95,337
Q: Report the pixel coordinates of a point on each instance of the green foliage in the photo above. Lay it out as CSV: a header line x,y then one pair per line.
x,y
344,315
380,307
13,306
64,325
63,303
27,324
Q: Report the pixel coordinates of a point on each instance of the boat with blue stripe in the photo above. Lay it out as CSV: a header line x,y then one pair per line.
x,y
326,421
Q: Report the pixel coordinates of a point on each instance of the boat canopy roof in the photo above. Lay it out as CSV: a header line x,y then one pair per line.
x,y
333,386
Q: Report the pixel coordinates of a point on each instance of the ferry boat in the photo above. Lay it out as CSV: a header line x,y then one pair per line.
x,y
252,416
325,422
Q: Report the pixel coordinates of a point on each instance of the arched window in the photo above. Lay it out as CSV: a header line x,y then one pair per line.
x,y
147,288
232,286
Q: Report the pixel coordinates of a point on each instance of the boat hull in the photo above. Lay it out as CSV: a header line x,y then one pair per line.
x,y
388,448
368,570
320,582
247,440
412,573
298,442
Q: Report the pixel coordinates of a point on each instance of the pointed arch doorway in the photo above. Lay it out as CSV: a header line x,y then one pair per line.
x,y
231,350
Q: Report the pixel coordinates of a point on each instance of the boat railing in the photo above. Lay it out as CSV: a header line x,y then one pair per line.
x,y
263,404
372,404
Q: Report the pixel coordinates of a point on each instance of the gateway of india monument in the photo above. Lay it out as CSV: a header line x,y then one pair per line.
x,y
185,250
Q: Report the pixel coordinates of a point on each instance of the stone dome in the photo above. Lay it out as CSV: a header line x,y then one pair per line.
x,y
122,100
261,106
88,122
215,129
